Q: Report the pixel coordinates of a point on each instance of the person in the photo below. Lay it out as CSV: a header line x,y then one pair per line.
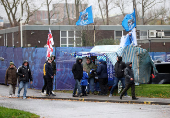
x,y
77,71
129,76
102,76
119,75
11,79
54,69
84,83
45,81
89,66
25,76
49,75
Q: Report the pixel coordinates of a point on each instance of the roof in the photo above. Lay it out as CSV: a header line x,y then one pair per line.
x,y
105,49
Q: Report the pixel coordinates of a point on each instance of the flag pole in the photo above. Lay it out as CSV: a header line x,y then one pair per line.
x,y
94,35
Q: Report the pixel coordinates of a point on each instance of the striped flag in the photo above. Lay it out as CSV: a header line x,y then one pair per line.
x,y
50,44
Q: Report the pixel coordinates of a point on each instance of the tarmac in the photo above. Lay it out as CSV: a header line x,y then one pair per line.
x,y
36,94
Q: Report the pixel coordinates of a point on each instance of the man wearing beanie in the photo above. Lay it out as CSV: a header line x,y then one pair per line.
x,y
103,76
119,75
11,79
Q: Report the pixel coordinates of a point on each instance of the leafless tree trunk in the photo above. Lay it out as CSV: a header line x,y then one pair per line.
x,y
101,12
107,13
77,3
67,12
48,2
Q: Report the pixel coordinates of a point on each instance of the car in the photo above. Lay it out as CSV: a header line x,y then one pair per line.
x,y
163,75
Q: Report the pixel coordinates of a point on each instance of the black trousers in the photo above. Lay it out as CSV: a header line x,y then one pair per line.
x,y
49,85
45,84
83,89
132,90
103,85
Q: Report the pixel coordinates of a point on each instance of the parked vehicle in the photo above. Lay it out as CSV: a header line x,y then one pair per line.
x,y
163,75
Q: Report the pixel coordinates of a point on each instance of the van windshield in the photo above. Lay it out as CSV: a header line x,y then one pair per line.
x,y
163,68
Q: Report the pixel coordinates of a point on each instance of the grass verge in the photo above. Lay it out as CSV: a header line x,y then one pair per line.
x,y
14,113
143,90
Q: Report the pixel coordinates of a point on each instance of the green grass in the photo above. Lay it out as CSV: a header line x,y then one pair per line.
x,y
153,90
13,113
144,90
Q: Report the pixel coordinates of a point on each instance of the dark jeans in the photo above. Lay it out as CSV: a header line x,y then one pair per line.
x,y
103,85
49,85
90,86
45,84
77,86
127,87
116,80
83,88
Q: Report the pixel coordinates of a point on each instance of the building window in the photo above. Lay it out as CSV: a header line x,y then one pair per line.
x,y
118,35
70,39
143,34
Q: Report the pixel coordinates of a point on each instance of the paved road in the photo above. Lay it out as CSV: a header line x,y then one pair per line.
x,y
74,109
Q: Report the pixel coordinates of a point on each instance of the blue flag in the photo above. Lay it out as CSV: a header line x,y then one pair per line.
x,y
129,21
86,17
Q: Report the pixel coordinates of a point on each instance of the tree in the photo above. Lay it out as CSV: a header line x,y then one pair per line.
x,y
12,8
101,12
67,12
77,4
147,7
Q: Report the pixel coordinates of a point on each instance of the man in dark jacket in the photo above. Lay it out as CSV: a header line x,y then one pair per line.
x,y
77,71
103,76
129,76
25,76
54,69
45,80
11,78
119,75
49,75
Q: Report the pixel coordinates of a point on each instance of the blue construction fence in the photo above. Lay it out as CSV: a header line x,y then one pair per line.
x,y
64,78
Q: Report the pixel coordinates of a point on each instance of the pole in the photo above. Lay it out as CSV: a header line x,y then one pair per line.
x,y
94,35
21,23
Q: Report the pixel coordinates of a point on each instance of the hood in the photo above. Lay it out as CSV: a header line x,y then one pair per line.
x,y
128,63
103,62
25,62
77,60
119,58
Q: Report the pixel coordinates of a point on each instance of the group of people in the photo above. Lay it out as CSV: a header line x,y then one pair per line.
x,y
25,76
84,75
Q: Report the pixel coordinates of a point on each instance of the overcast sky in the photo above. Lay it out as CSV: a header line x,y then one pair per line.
x,y
94,3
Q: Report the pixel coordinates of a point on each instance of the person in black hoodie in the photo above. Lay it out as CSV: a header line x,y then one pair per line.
x,y
49,75
119,74
103,76
129,76
77,71
25,76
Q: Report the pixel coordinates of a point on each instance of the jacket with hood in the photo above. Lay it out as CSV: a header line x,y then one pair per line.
x,y
48,70
119,68
22,70
84,81
54,65
129,74
77,69
89,67
11,76
102,70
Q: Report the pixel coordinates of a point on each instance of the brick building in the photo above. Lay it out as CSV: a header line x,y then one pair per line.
x,y
152,38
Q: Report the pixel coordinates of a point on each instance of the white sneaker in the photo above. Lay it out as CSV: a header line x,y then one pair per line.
x,y
10,96
13,95
110,95
126,96
53,92
24,97
43,93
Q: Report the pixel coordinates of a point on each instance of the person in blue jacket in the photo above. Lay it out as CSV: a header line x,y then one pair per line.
x,y
102,76
84,82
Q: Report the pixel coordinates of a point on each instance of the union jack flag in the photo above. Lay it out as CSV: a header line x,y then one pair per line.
x,y
50,44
